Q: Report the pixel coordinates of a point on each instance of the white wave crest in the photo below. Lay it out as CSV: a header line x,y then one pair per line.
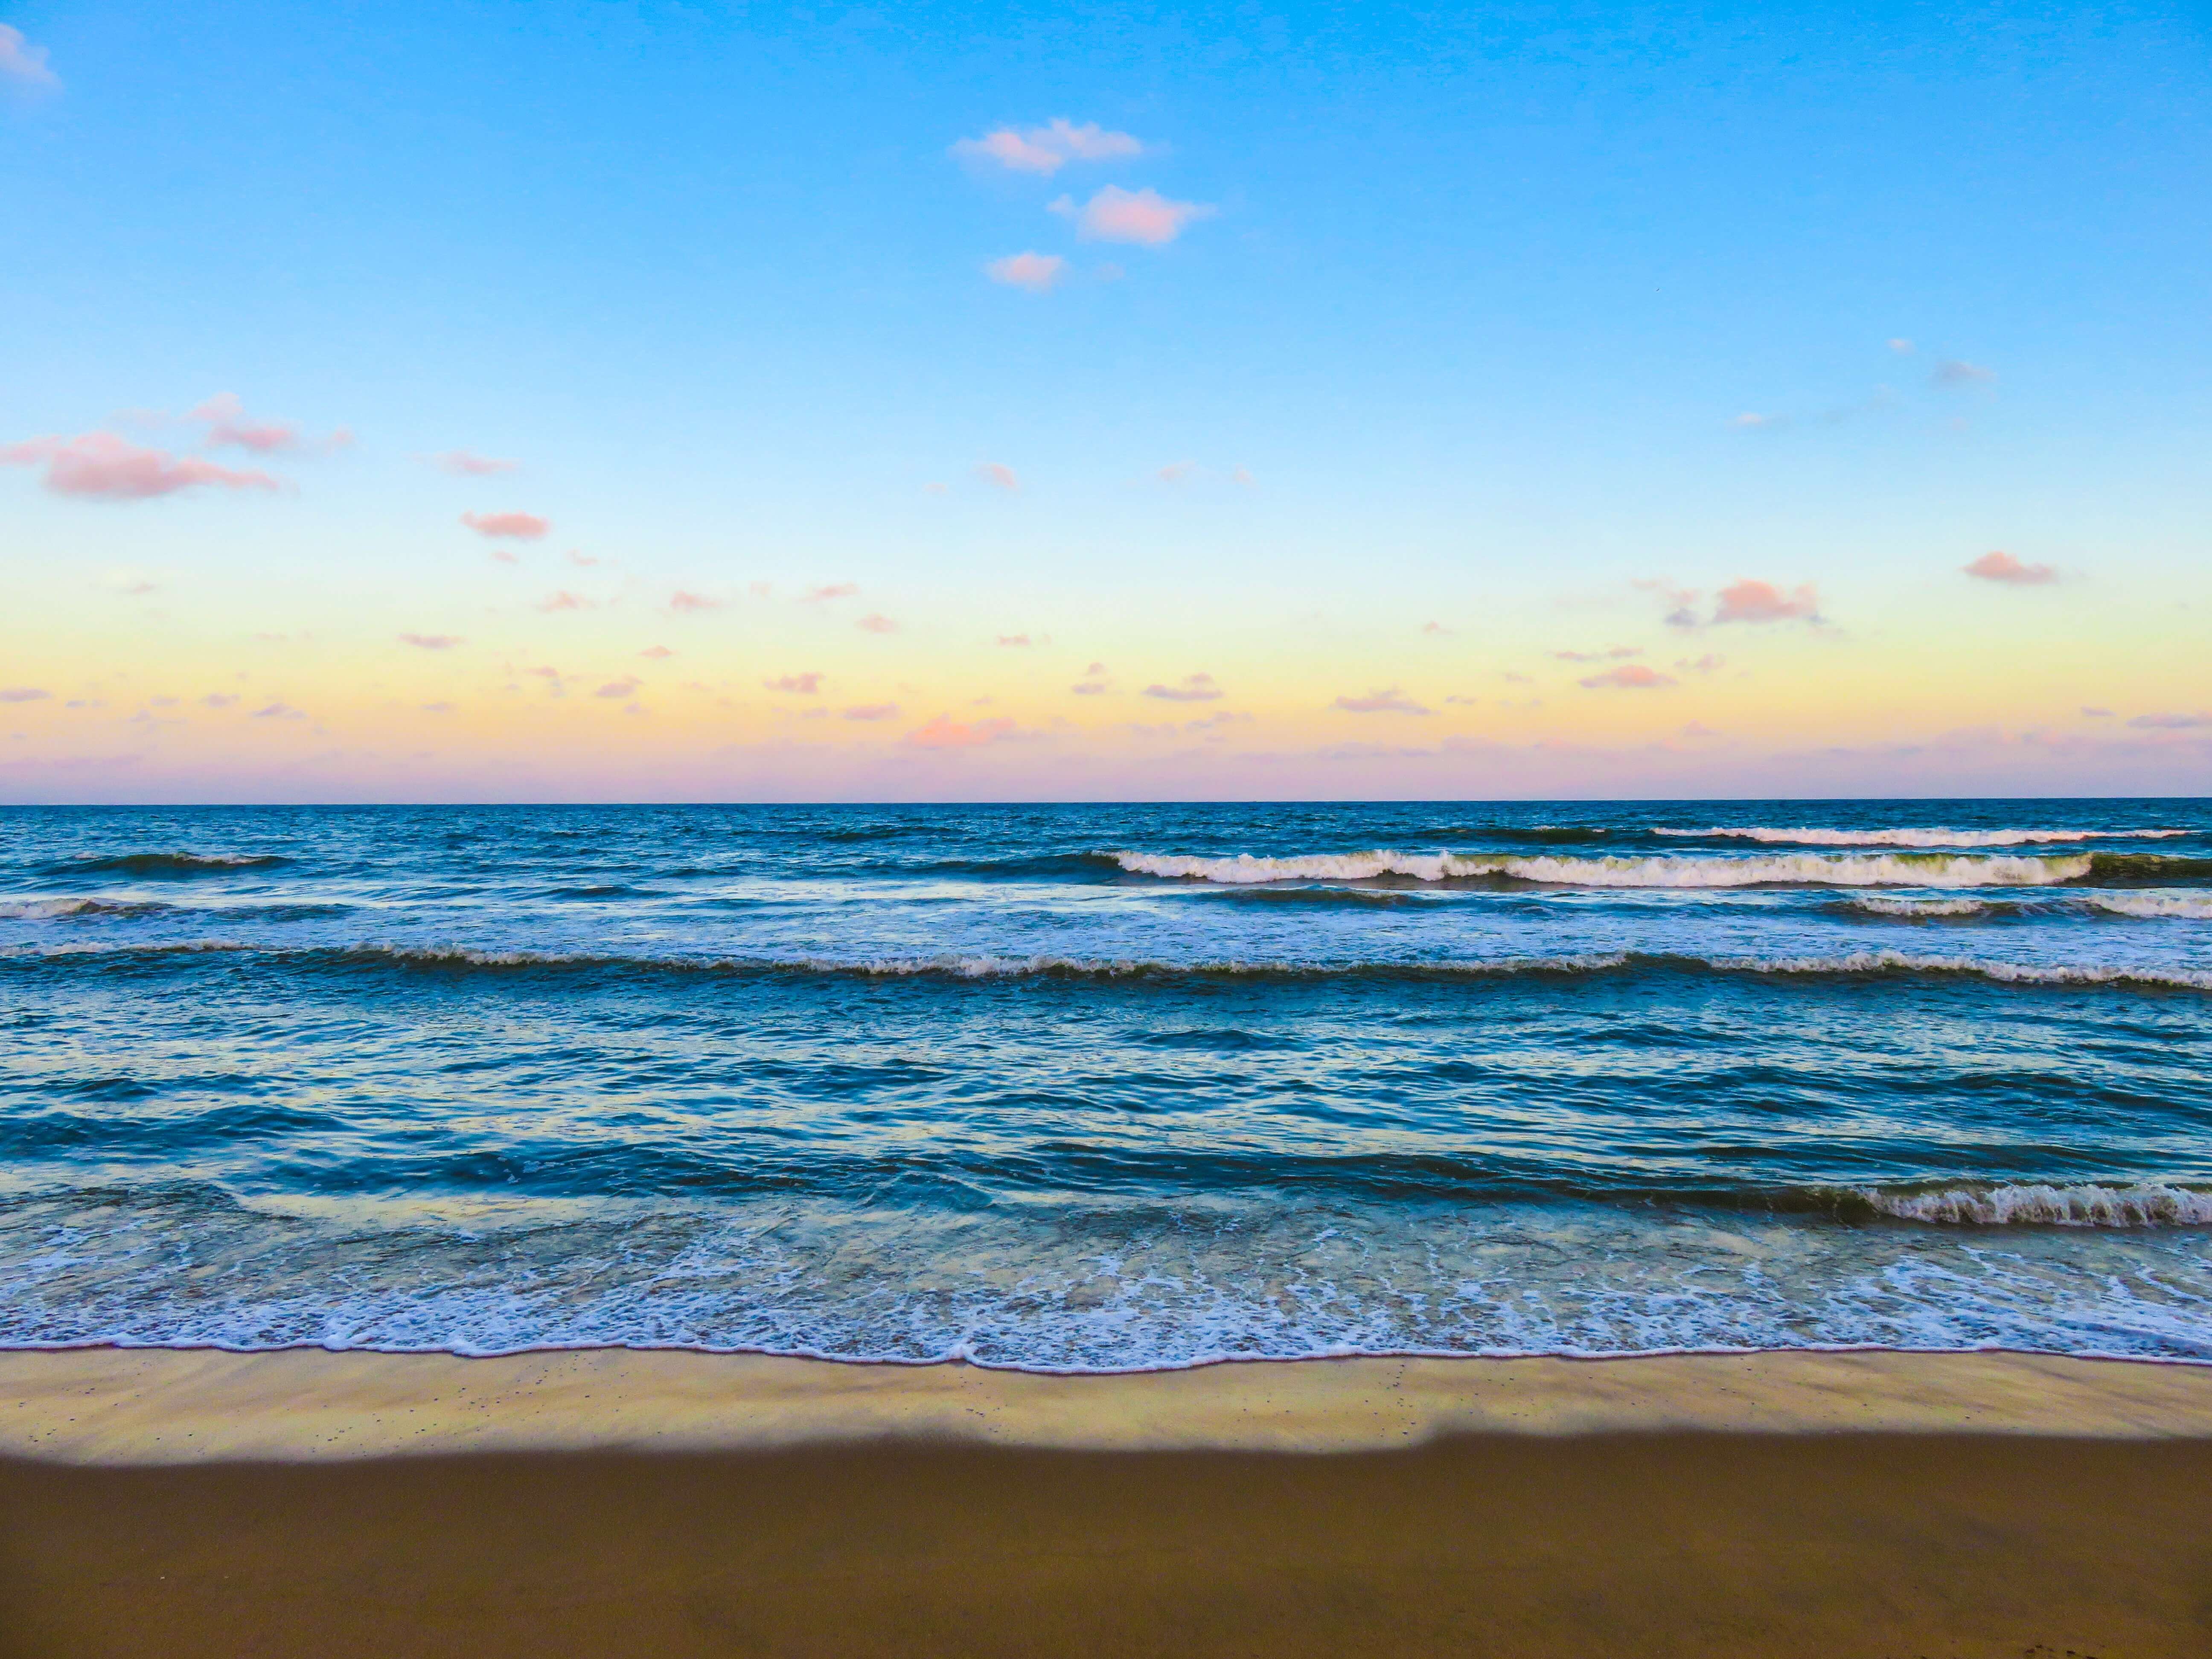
x,y
2148,1205
1930,838
1668,871
1921,907
2010,973
2194,906
47,910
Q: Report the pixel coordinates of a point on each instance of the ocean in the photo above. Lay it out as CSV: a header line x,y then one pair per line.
x,y
1110,1087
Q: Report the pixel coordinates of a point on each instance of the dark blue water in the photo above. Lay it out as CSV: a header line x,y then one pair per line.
x,y
1110,1086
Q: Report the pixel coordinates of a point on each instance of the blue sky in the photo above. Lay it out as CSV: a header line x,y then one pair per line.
x,y
1499,310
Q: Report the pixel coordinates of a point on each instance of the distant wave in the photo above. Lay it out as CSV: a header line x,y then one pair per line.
x,y
464,958
2150,1205
1911,907
2195,906
53,910
170,864
1933,838
1664,871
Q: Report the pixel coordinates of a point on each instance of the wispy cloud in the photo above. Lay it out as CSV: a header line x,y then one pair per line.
x,y
1037,272
23,694
1143,216
825,591
798,685
1997,567
1013,639
432,642
2171,722
690,603
1611,654
869,711
625,687
1633,678
1047,149
1388,701
564,601
1955,373
1434,627
657,652
100,466
512,527
1194,688
999,475
219,699
2096,714
876,623
1176,473
945,732
226,425
23,66
467,463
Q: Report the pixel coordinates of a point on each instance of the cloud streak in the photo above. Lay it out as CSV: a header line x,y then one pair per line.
x,y
511,526
23,66
1036,272
1194,688
1044,151
467,463
100,466
1388,701
1999,567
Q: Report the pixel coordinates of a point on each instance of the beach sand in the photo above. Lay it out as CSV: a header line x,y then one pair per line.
x,y
1858,1506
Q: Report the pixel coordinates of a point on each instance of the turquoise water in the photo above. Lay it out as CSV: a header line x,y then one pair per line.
x,y
1111,1086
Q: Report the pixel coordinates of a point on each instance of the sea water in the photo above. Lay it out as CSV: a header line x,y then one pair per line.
x,y
1108,1087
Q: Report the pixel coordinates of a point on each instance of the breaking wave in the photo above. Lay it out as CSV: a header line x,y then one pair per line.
x,y
1664,871
171,864
2194,906
1915,908
984,966
2148,1205
1928,837
54,909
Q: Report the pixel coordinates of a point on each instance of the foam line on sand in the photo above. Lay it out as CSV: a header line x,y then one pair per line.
x,y
170,1405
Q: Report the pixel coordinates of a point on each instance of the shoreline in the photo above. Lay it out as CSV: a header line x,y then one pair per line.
x,y
125,1405
1799,1505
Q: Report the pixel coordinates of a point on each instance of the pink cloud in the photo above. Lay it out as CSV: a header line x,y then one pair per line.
x,y
870,711
1194,688
103,466
467,463
1143,216
24,65
225,422
995,472
1611,653
1995,567
1087,690
1635,677
945,732
1037,272
1749,601
1013,639
876,623
1708,664
219,699
584,561
658,652
1390,701
23,694
690,603
799,686
1047,149
1095,668
517,527
432,642
1175,472
564,601
626,686
1434,627
829,591
279,711
503,556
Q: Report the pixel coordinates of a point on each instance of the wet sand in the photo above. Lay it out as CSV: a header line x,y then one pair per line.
x,y
1889,1506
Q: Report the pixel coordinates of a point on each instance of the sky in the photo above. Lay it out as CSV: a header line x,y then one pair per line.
x,y
487,401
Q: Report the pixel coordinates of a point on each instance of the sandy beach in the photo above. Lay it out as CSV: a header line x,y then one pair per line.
x,y
1875,1505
